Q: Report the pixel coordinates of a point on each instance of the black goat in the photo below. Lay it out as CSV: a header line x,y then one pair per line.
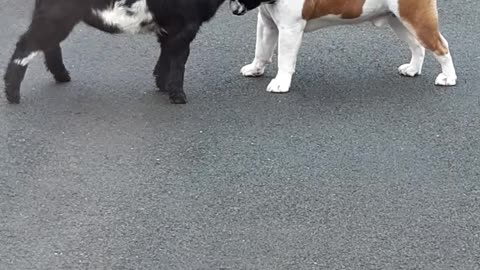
x,y
175,22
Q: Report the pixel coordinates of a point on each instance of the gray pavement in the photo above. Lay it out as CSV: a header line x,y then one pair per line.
x,y
356,168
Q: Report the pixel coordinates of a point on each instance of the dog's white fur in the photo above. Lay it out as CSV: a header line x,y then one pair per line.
x,y
282,23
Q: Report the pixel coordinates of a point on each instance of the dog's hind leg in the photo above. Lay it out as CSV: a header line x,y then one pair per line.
x,y
267,38
414,68
421,19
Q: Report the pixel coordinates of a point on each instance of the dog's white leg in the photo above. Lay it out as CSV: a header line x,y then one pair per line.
x,y
414,68
421,19
289,43
267,37
448,77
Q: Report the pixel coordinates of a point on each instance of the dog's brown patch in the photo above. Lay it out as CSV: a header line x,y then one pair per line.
x,y
347,9
422,18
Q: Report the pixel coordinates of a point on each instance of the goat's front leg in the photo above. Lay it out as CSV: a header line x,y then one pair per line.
x,y
162,71
177,49
179,58
290,39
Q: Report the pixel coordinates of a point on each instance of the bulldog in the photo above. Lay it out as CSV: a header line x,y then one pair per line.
x,y
284,22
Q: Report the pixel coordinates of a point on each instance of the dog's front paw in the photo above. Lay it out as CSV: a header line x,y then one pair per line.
x,y
446,80
409,70
279,85
252,70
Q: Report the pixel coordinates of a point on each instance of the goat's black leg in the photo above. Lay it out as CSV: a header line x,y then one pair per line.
x,y
46,31
16,72
54,63
177,48
177,73
162,71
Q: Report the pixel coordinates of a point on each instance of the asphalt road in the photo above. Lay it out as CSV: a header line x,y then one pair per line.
x,y
356,168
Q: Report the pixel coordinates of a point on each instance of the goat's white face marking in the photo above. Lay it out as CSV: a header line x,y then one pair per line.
x,y
133,19
25,61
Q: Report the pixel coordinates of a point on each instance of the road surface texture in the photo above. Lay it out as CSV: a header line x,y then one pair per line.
x,y
356,168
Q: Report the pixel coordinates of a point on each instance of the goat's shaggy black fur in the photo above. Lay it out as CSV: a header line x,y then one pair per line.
x,y
175,22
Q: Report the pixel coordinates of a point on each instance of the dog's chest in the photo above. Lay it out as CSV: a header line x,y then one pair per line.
x,y
129,16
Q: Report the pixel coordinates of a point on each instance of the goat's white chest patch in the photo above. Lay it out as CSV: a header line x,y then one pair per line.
x,y
134,18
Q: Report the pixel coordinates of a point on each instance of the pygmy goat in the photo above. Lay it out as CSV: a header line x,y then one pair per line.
x,y
175,22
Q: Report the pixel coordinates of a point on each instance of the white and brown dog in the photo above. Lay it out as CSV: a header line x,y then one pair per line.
x,y
285,21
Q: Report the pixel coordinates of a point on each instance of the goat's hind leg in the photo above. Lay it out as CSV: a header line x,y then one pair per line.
x,y
54,63
45,33
17,67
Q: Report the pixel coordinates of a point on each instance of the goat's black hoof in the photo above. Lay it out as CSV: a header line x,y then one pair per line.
x,y
12,93
178,98
62,77
161,86
162,90
12,98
